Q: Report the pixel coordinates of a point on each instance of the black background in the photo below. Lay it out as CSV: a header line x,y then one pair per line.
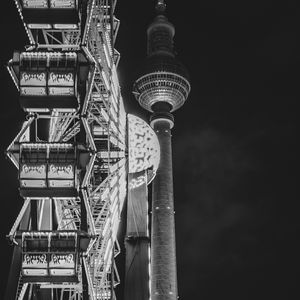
x,y
234,141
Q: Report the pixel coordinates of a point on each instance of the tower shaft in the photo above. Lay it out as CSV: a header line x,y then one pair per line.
x,y
163,250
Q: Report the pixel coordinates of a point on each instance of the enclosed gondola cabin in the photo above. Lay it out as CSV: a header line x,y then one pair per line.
x,y
51,170
50,80
50,256
53,14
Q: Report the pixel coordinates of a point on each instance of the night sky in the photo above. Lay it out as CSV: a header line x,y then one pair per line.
x,y
234,141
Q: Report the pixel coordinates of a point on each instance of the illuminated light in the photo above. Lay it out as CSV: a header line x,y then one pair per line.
x,y
111,154
61,79
144,149
107,56
161,86
33,84
60,171
34,261
149,269
108,250
61,91
50,57
33,171
42,175
62,3
35,3
62,272
47,258
61,183
33,79
39,26
26,29
46,145
65,26
64,110
107,35
33,91
37,234
35,272
105,295
106,81
59,176
33,183
106,226
62,261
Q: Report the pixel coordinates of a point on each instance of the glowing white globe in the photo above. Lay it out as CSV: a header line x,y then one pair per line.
x,y
143,144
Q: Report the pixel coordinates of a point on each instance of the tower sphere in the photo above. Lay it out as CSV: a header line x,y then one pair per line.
x,y
162,79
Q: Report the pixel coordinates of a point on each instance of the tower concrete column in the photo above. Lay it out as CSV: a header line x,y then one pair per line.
x,y
163,250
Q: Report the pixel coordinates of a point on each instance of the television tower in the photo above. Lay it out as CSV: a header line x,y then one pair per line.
x,y
162,87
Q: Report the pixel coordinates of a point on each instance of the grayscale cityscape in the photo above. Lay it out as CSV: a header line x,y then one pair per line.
x,y
148,150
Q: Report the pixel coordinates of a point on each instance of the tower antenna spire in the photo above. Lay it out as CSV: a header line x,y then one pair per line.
x,y
160,6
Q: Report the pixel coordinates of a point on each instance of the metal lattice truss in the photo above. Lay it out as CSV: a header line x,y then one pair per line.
x,y
103,119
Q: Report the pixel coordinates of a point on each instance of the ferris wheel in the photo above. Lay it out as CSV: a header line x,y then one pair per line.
x,y
74,152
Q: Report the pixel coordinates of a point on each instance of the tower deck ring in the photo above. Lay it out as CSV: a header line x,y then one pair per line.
x,y
161,86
